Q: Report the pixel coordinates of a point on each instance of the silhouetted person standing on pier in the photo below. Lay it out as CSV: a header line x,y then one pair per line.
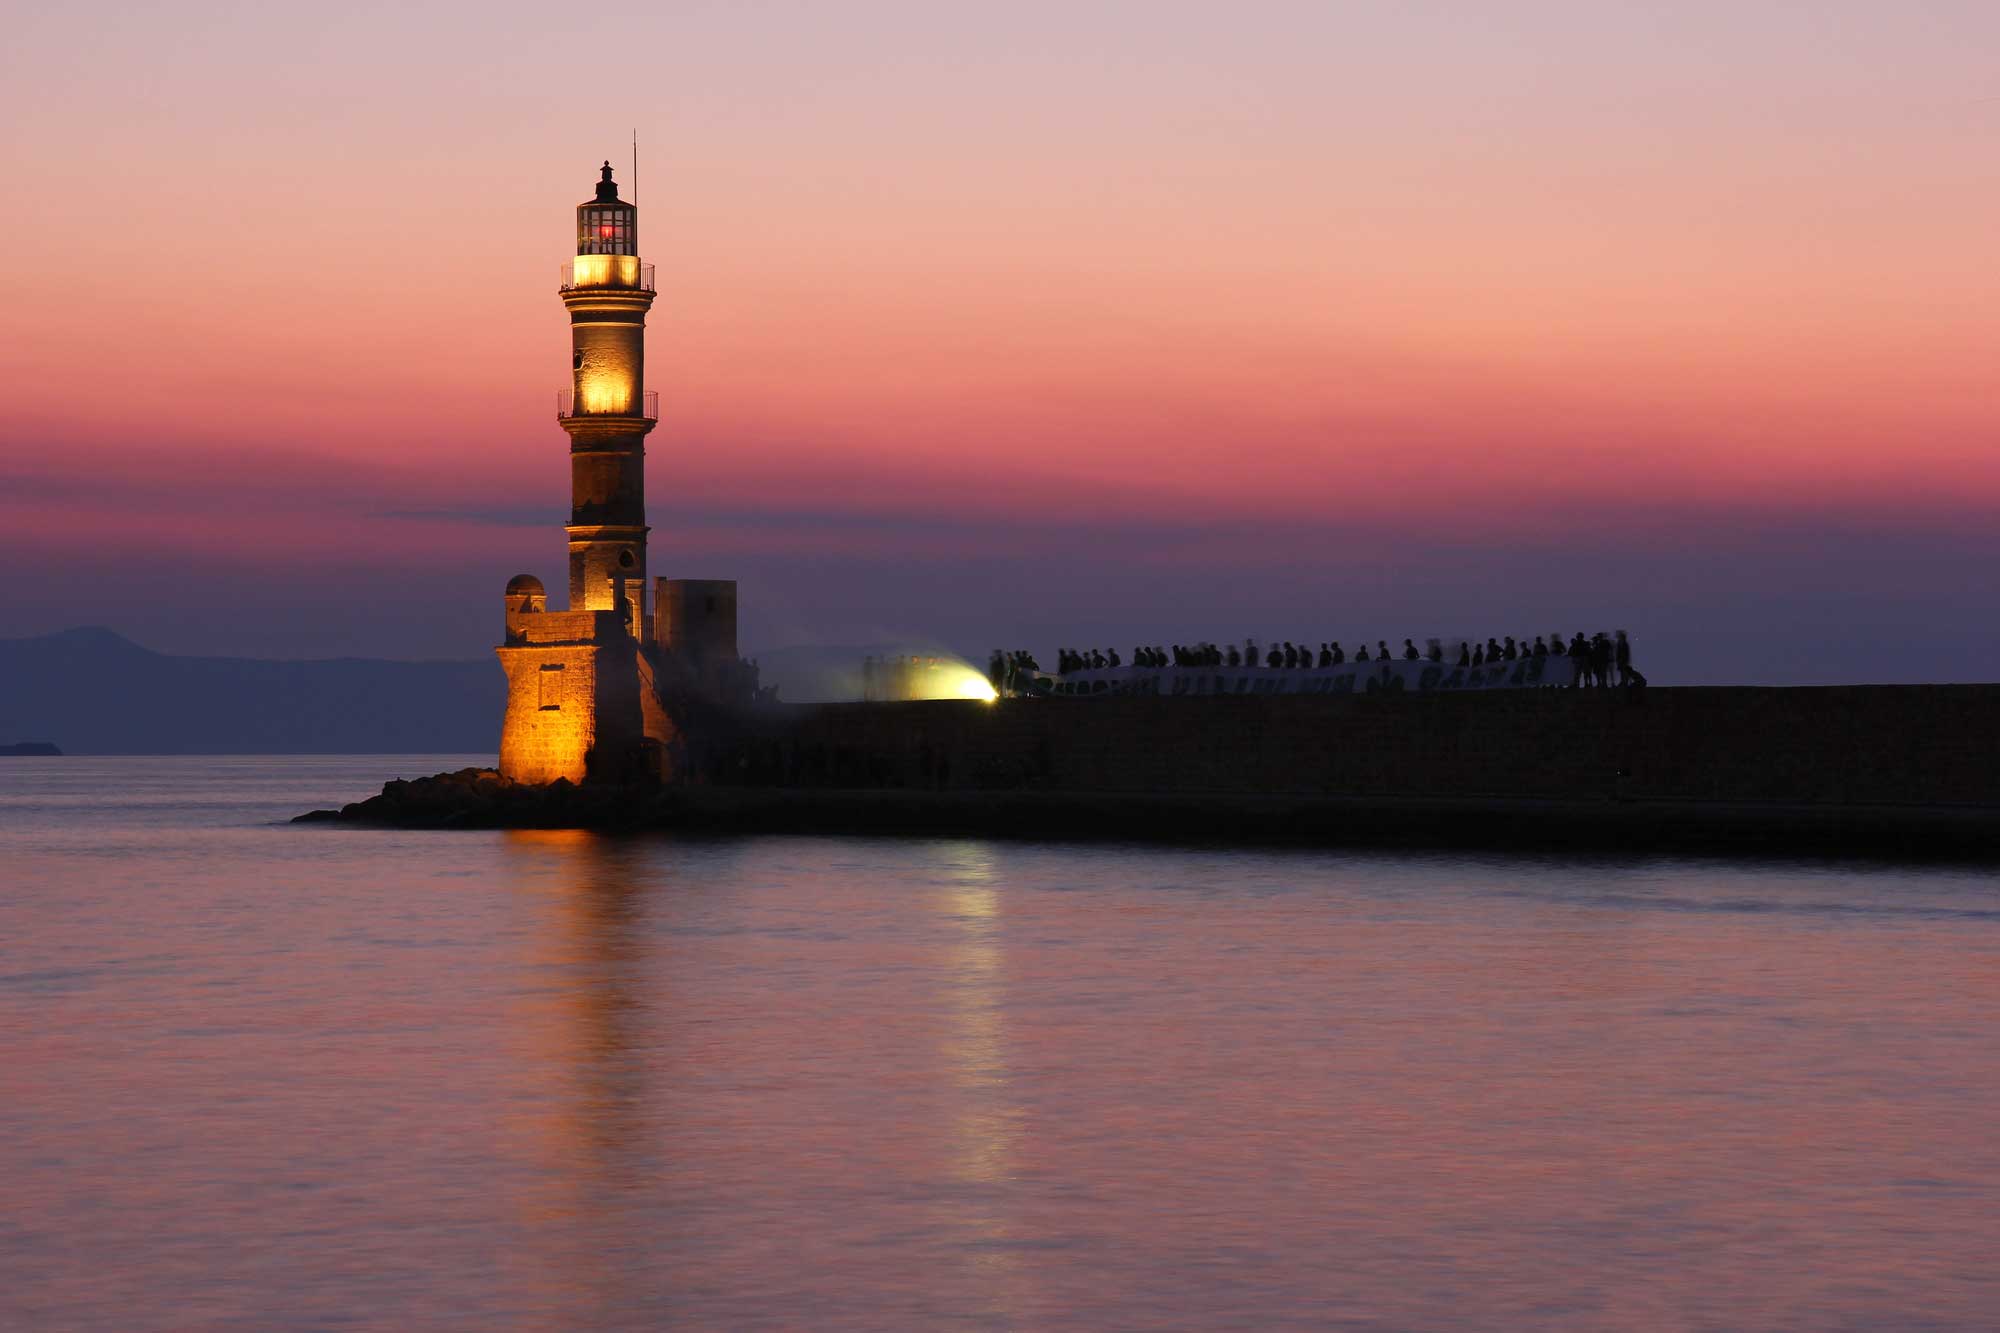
x,y
1622,652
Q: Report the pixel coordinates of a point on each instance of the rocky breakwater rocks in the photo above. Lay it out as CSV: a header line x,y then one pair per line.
x,y
476,798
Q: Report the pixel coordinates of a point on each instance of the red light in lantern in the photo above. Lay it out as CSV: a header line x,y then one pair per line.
x,y
605,231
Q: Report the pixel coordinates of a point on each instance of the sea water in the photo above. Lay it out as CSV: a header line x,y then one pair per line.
x,y
263,1076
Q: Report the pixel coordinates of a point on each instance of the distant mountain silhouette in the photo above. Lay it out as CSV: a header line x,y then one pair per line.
x,y
92,691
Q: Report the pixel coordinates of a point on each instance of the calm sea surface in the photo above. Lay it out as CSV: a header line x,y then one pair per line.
x,y
262,1077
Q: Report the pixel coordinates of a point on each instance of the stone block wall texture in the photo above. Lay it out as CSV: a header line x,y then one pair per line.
x,y
1932,745
551,720
696,617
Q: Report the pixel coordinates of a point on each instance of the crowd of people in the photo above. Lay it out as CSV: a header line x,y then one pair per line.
x,y
1599,660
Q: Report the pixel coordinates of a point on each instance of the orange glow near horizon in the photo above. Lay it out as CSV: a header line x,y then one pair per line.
x,y
1397,272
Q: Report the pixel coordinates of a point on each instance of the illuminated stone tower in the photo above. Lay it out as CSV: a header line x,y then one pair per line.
x,y
605,691
607,410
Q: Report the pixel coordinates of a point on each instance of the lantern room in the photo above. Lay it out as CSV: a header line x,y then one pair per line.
x,y
607,225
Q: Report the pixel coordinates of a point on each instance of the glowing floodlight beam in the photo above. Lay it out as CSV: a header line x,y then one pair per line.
x,y
946,679
967,683
934,678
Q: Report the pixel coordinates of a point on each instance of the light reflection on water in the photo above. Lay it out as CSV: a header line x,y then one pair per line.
x,y
259,1076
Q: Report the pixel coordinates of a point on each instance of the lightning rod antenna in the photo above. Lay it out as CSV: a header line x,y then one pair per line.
x,y
635,167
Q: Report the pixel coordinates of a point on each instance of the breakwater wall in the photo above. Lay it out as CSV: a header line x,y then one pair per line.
x,y
1928,745
1906,772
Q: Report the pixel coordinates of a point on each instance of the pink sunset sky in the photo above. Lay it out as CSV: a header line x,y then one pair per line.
x,y
1030,325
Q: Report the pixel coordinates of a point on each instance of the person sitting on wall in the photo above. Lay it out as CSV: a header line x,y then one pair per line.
x,y
1291,655
1382,649
1250,657
1235,658
1436,650
1361,653
1111,658
1339,653
1325,656
1274,657
1465,654
1410,653
1541,648
1492,649
1479,656
1508,651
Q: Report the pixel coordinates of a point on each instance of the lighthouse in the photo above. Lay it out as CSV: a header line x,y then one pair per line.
x,y
610,690
607,410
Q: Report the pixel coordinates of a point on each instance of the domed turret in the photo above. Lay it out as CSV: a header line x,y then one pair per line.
x,y
525,593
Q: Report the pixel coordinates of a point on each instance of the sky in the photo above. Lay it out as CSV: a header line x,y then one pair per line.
x,y
1039,324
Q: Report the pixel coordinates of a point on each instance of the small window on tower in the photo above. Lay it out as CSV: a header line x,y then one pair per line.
x,y
576,360
625,560
552,683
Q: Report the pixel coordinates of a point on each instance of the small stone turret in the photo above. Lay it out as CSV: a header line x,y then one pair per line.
x,y
525,595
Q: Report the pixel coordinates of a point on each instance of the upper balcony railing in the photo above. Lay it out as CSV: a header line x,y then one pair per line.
x,y
567,408
618,273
